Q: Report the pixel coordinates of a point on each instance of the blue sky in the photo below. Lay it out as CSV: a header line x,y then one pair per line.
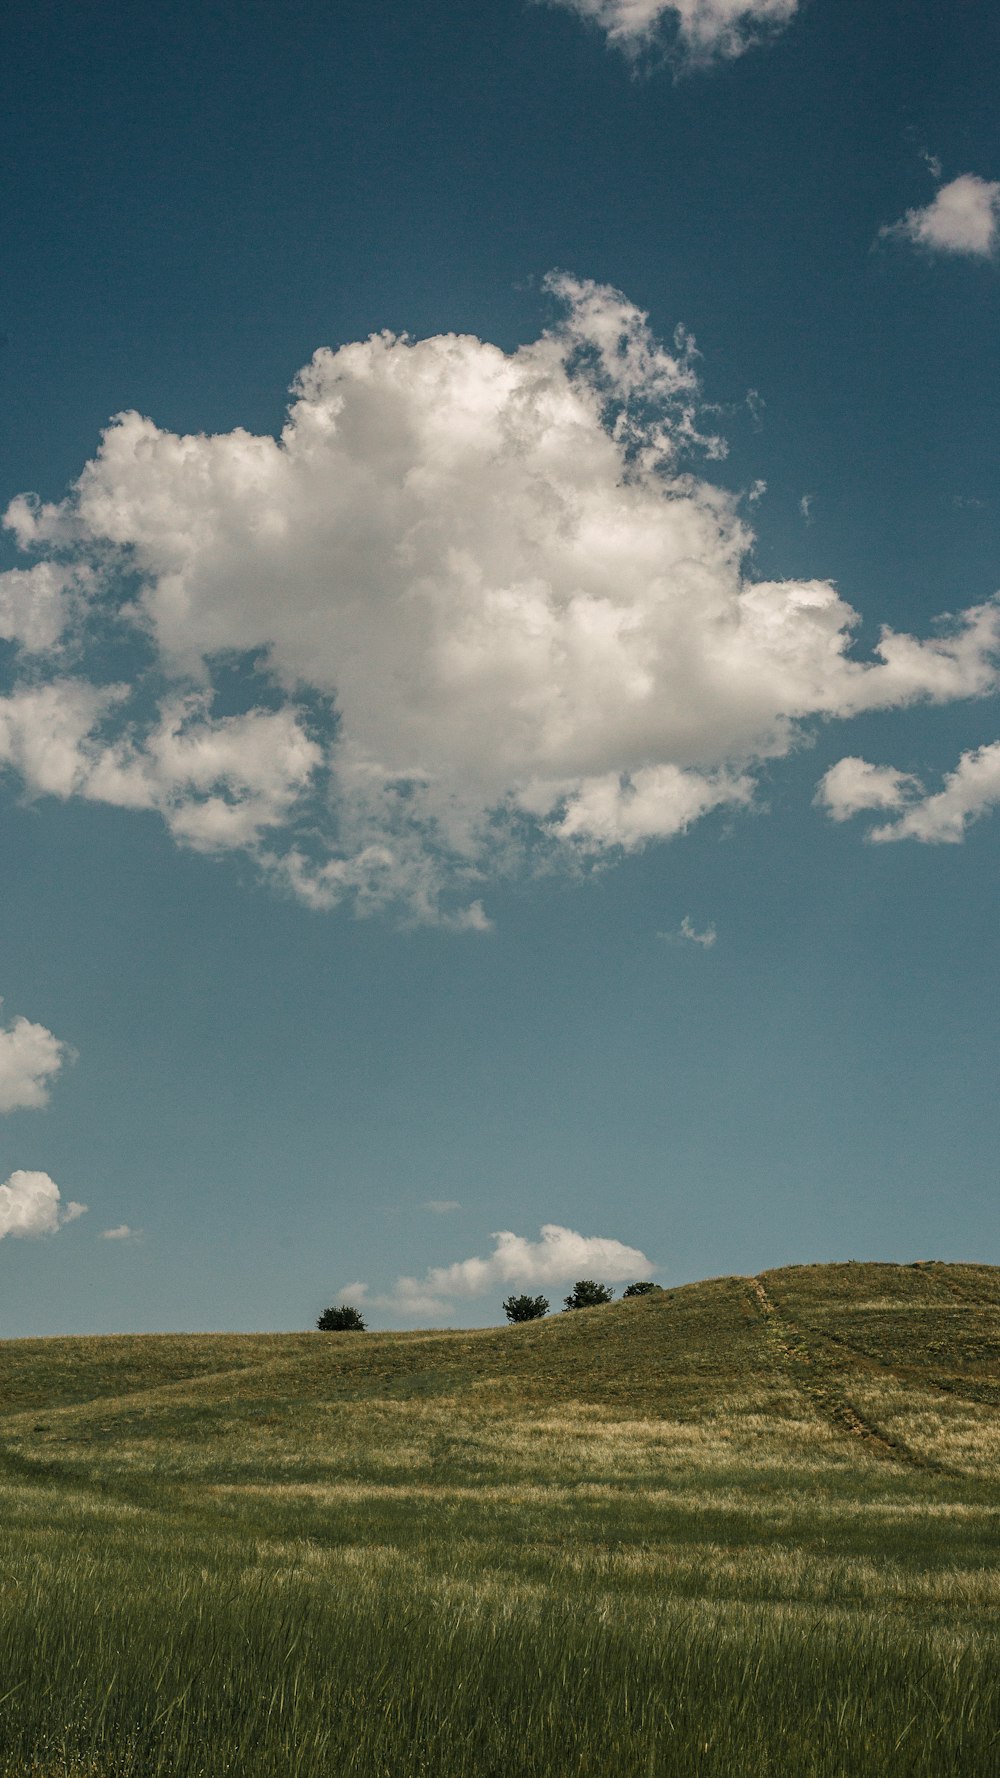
x,y
546,777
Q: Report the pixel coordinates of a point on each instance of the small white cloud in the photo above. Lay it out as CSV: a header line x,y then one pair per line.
x,y
31,1204
441,1206
940,817
806,506
687,933
30,1058
704,31
706,938
853,786
962,217
969,792
122,1233
559,1256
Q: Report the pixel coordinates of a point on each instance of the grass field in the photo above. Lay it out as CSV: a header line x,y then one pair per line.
x,y
744,1527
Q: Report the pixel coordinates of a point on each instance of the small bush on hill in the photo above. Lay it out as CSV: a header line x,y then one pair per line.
x,y
342,1320
525,1308
642,1287
587,1294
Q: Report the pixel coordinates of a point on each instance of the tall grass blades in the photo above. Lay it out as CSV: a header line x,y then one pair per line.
x,y
641,1543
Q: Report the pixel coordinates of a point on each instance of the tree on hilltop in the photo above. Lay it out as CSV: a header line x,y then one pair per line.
x,y
588,1294
525,1308
642,1287
342,1320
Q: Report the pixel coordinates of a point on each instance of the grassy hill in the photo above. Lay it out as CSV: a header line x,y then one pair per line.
x,y
745,1527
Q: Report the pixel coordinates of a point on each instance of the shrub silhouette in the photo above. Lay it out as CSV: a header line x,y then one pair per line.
x,y
587,1294
342,1320
525,1308
642,1288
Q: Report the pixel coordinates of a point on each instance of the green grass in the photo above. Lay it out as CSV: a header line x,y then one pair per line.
x,y
746,1527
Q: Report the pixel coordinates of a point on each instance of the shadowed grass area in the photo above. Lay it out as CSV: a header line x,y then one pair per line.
x,y
745,1527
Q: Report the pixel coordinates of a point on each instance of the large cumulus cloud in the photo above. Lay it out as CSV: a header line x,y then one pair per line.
x,y
523,608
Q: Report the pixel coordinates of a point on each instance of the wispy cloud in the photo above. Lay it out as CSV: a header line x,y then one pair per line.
x,y
687,933
441,1206
706,938
699,32
31,1204
122,1233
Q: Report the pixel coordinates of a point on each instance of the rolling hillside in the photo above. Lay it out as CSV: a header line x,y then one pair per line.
x,y
748,1525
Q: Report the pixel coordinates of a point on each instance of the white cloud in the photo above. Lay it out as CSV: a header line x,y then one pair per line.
x,y
704,31
970,791
122,1233
853,785
962,217
655,803
690,932
531,618
218,783
806,506
687,933
442,1206
30,1058
559,1256
30,1204
36,604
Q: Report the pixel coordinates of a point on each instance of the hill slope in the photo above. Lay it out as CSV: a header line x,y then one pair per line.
x,y
904,1358
748,1525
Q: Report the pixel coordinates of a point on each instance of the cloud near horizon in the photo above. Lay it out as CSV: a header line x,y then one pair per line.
x,y
485,615
31,1204
559,1256
700,31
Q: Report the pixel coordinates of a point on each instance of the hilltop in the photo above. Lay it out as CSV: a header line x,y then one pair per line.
x,y
747,1525
865,1346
